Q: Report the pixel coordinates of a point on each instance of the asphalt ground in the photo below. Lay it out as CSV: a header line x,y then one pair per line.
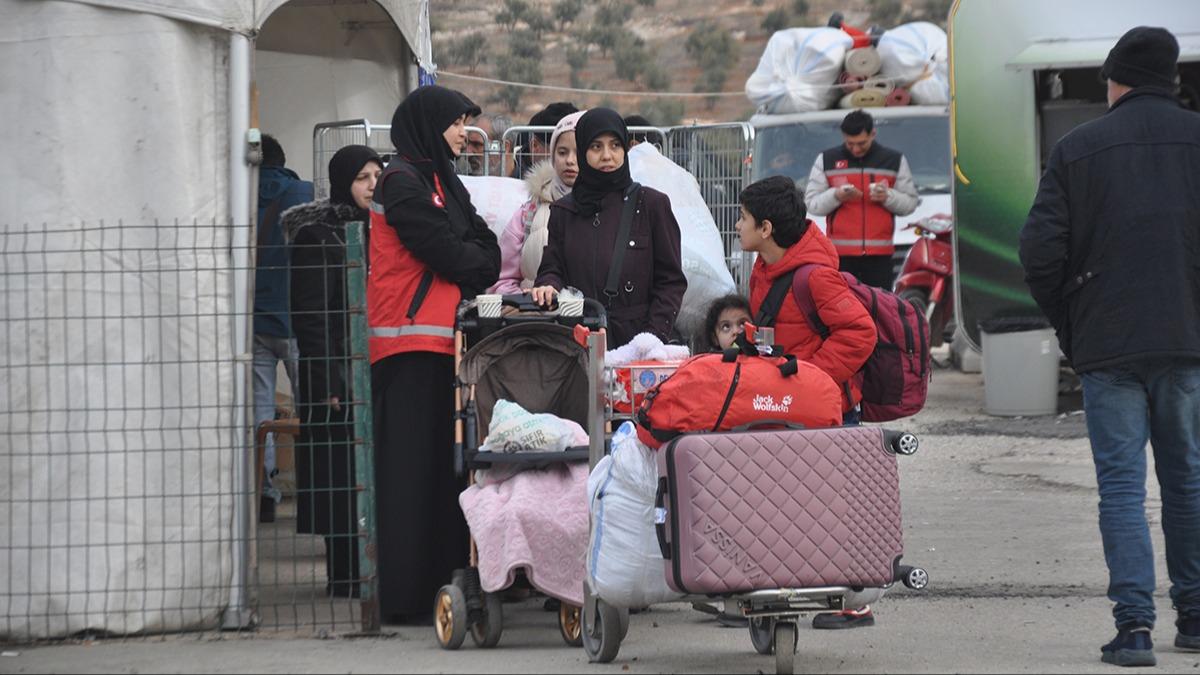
x,y
1000,511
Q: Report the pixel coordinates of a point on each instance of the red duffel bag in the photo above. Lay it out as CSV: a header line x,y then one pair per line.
x,y
718,392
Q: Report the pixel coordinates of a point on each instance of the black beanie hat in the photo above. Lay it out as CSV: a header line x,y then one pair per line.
x,y
1144,56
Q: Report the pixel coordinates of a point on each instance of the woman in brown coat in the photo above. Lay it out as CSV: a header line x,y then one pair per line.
x,y
583,232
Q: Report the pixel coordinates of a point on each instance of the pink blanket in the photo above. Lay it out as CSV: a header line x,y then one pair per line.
x,y
536,521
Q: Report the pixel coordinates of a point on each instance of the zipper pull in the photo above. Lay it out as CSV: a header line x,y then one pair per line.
x,y
596,220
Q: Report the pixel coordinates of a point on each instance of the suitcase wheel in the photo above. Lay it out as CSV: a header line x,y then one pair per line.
x,y
762,634
785,647
914,577
905,444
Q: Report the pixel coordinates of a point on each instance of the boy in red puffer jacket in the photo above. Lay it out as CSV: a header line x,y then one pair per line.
x,y
773,224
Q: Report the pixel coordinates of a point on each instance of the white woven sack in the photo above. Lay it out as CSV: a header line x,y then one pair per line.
x,y
703,254
798,70
915,55
624,564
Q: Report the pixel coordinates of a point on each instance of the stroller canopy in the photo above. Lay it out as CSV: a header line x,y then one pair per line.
x,y
536,365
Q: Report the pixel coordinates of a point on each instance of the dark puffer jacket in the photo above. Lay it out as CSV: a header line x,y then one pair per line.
x,y
580,251
324,455
1111,248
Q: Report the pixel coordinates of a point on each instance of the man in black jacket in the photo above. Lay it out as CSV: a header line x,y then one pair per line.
x,y
1111,252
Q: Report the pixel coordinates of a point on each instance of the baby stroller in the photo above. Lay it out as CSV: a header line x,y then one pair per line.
x,y
546,363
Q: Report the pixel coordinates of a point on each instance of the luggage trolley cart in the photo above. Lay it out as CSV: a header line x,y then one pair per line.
x,y
773,609
491,354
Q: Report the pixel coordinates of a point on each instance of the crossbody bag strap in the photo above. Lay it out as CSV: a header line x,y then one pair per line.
x,y
613,285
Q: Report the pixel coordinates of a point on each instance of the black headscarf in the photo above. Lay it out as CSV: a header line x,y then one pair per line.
x,y
593,184
418,126
344,168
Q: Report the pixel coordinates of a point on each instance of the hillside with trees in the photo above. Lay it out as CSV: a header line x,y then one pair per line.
x,y
637,46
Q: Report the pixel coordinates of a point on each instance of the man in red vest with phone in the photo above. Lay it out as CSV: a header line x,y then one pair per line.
x,y
860,187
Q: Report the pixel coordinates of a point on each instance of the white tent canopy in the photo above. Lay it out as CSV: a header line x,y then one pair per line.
x,y
248,16
125,214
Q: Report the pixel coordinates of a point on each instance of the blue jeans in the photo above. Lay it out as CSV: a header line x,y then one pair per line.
x,y
268,352
1156,401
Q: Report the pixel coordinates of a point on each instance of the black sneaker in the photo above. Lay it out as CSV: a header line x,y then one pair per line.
x,y
266,510
850,618
1188,637
1132,647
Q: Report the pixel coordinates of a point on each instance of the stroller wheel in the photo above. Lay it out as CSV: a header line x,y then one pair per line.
x,y
450,617
602,633
762,634
785,647
486,632
570,624
623,620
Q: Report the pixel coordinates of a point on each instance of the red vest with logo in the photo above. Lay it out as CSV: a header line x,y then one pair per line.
x,y
861,227
409,307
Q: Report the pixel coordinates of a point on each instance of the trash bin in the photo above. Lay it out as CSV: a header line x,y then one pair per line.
x,y
1020,366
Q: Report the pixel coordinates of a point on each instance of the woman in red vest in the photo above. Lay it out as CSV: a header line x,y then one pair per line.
x,y
429,250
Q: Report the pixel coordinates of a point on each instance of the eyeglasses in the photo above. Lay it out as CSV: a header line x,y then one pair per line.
x,y
727,327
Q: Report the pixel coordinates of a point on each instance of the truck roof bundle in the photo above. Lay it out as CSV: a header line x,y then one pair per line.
x,y
808,69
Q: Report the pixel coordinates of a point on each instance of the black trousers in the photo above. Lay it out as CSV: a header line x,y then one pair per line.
x,y
422,536
872,270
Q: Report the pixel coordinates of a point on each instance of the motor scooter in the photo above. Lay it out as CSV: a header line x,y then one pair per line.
x,y
926,276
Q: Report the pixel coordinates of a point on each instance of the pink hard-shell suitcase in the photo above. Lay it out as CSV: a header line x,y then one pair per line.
x,y
789,508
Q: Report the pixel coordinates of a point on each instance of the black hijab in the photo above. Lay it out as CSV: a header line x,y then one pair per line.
x,y
418,126
593,184
344,168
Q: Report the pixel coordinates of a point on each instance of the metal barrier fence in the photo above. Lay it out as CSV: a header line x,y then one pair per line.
x,y
329,137
131,484
525,146
718,155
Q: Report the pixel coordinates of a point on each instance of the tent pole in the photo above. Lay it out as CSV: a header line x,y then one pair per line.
x,y
238,614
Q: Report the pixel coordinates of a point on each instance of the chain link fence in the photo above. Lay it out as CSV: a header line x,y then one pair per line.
x,y
132,482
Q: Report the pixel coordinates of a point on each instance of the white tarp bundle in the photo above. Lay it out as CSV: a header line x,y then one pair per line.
x,y
916,55
798,70
120,408
496,198
703,254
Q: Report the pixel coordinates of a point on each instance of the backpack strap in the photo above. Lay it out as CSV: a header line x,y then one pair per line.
x,y
612,286
802,292
769,310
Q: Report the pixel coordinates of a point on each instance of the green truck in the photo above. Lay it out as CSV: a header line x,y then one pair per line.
x,y
1023,73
